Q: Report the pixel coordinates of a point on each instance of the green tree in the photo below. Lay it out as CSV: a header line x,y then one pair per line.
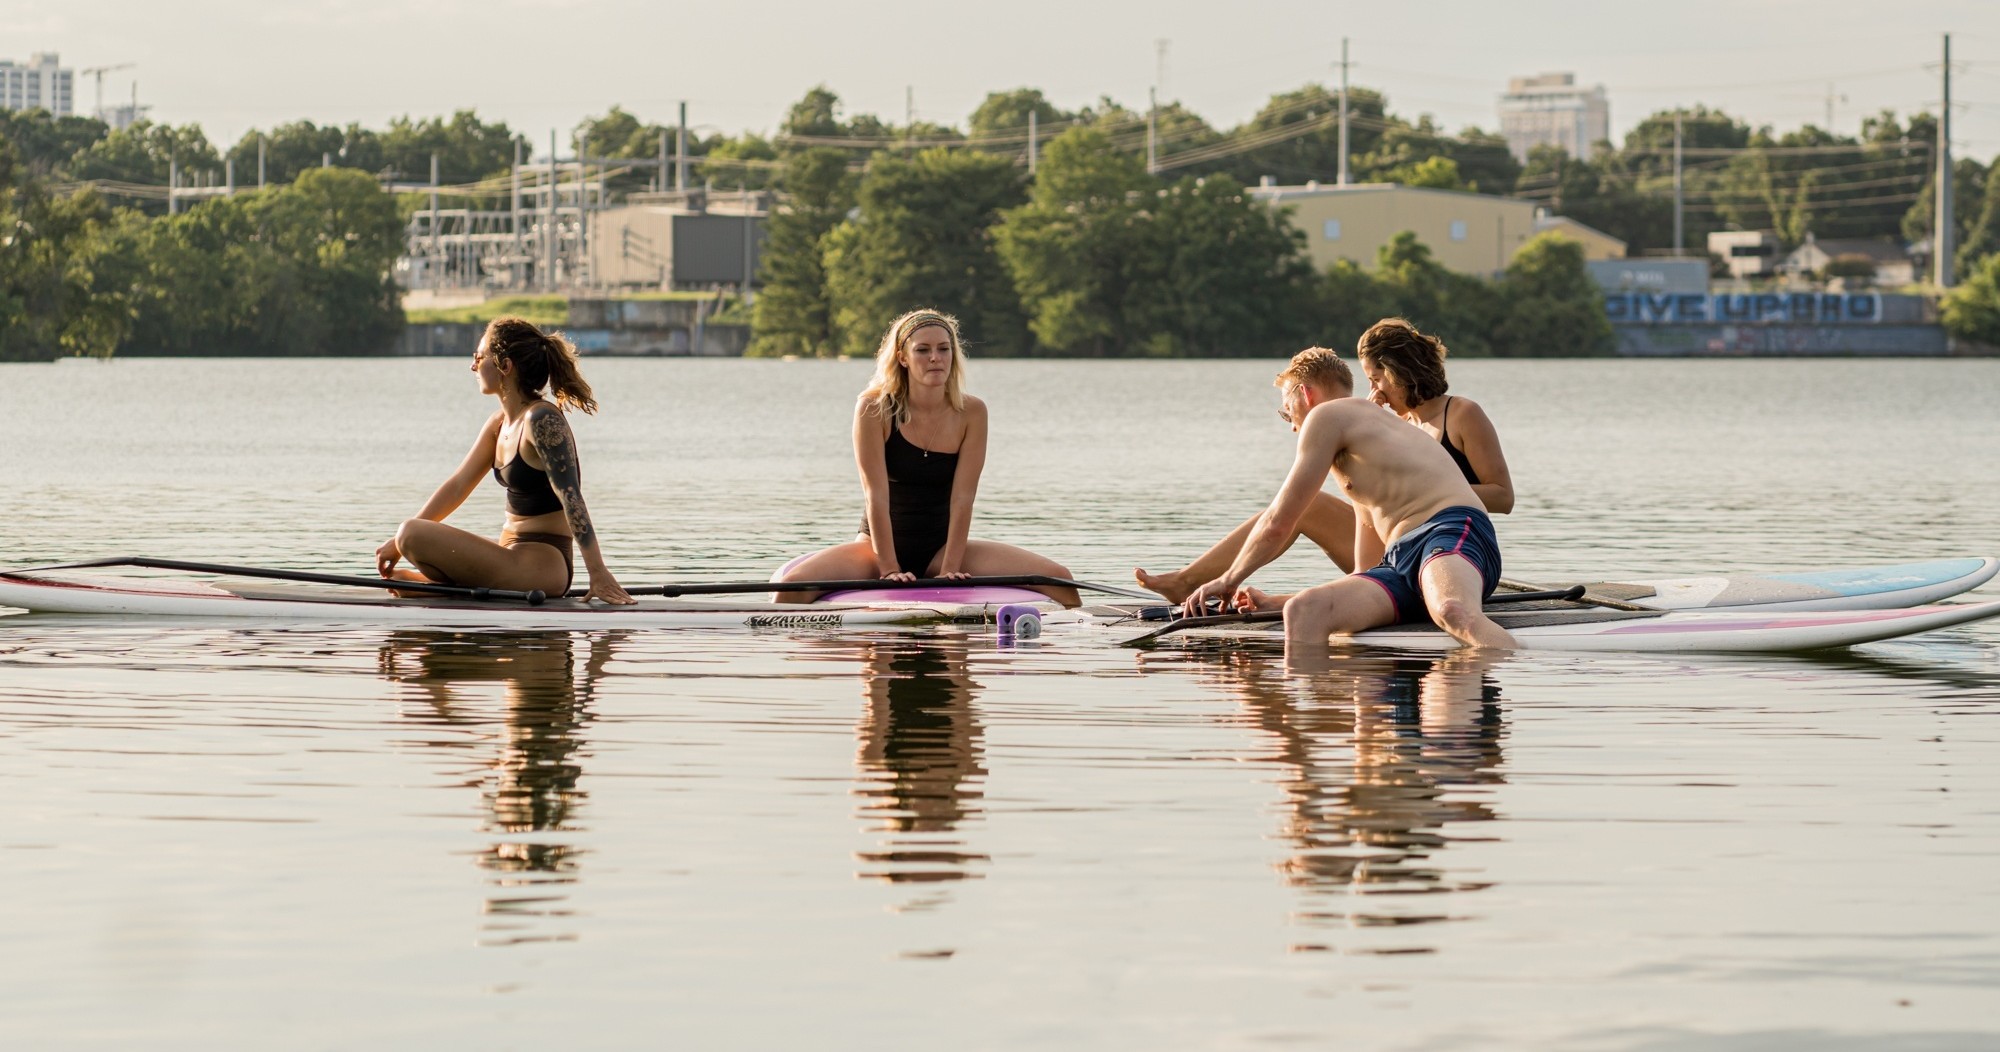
x,y
294,270
1345,301
1217,273
1455,307
63,280
1002,118
300,146
747,162
1548,304
43,144
794,313
923,238
467,148
620,134
1068,248
1109,263
1486,163
1982,238
144,153
1971,310
1436,172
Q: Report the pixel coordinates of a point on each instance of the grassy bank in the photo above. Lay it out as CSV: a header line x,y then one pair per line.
x,y
552,310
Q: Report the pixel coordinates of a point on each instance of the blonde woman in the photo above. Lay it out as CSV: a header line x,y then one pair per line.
x,y
528,448
920,443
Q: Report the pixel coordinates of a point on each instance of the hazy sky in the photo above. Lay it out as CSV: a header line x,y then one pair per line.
x,y
231,66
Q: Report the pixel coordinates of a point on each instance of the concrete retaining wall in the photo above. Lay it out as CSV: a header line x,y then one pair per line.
x,y
1804,341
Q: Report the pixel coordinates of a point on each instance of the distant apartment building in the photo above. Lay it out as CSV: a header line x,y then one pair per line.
x,y
1551,110
39,83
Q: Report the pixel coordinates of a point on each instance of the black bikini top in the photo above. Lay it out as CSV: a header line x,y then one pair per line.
x,y
528,489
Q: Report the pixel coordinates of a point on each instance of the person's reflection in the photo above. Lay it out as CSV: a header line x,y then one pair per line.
x,y
920,758
1383,756
530,784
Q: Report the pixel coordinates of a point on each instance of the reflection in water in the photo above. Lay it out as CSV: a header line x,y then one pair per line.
x,y
1382,754
530,785
920,757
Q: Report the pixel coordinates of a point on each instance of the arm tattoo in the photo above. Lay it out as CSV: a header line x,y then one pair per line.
x,y
552,437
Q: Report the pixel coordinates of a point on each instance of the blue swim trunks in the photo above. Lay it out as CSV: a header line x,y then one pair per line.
x,y
1456,530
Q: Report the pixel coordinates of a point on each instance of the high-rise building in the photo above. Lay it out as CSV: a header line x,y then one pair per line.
x,y
39,83
1551,110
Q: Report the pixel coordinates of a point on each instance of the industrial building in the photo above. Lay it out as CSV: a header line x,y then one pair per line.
x,y
1551,110
680,240
1466,232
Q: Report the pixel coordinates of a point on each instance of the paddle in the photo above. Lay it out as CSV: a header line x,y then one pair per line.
x,y
1257,616
532,598
874,584
1586,597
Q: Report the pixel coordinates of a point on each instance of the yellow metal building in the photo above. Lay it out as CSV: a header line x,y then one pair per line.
x,y
1466,232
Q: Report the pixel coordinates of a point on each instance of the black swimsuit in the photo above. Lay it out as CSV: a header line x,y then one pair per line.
x,y
919,501
528,490
1457,455
530,493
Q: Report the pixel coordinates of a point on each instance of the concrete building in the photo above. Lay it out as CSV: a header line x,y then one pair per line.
x,y
1747,253
1893,266
39,83
1551,110
680,240
1467,232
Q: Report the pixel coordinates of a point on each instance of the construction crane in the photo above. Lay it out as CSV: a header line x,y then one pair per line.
x,y
99,72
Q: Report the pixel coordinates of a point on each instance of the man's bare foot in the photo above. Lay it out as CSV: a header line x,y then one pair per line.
x,y
1169,585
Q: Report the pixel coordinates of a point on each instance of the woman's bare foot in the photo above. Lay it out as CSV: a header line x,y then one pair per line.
x,y
1169,585
408,575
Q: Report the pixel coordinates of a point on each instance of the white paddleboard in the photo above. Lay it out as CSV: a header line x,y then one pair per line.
x,y
151,597
1674,632
1859,588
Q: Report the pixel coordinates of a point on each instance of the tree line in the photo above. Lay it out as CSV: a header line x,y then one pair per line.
x,y
1092,255
296,269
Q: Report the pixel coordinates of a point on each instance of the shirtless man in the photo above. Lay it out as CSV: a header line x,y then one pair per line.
x,y
1441,555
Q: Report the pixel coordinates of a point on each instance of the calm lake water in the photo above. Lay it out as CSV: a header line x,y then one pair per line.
x,y
295,838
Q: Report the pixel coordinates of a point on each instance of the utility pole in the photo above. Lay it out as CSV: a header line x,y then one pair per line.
x,y
681,153
660,178
552,234
514,213
1679,241
173,183
261,144
1343,112
438,279
1033,142
1941,237
582,261
1152,131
